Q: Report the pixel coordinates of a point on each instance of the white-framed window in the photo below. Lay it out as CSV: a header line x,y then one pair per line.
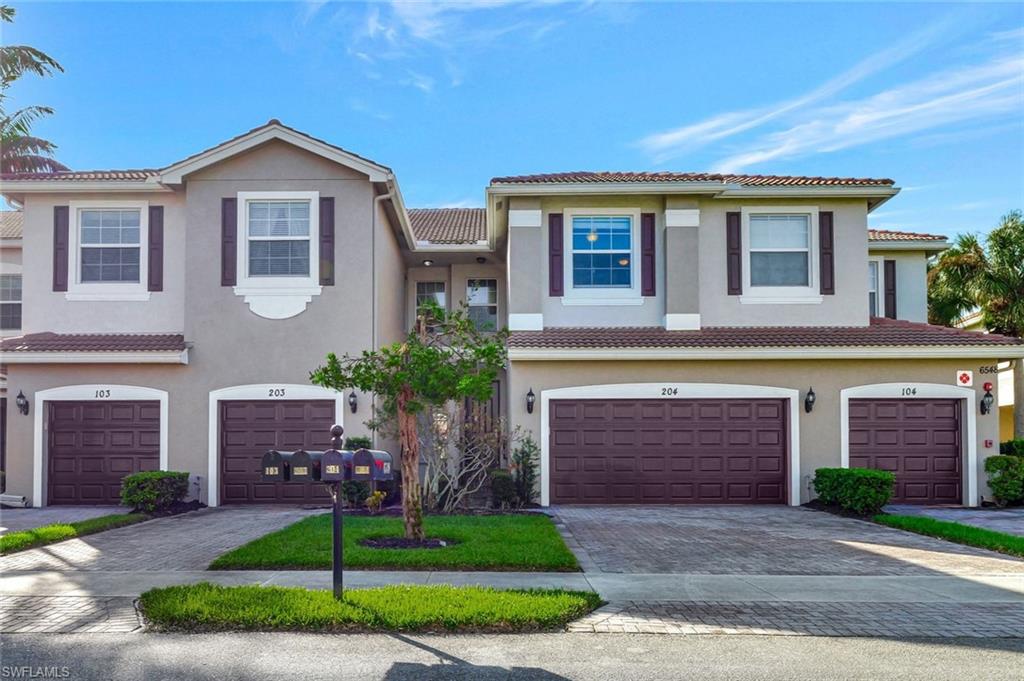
x,y
430,292
108,242
601,256
779,258
876,288
482,300
278,260
10,302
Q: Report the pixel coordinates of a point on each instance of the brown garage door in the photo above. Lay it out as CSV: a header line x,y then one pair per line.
x,y
918,440
668,451
92,445
249,428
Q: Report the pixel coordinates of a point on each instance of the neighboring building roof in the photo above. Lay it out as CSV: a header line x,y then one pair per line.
x,y
85,175
589,177
890,235
11,222
94,342
449,225
880,333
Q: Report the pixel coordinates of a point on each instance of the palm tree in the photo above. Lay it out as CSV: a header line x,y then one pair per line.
x,y
988,277
20,151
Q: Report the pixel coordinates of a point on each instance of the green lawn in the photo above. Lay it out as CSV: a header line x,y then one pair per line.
x,y
483,542
48,534
206,607
1009,544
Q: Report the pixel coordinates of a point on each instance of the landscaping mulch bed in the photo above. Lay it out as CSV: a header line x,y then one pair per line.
x,y
179,507
817,505
403,543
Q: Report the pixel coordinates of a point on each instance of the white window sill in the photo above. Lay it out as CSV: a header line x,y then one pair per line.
x,y
111,296
571,301
782,300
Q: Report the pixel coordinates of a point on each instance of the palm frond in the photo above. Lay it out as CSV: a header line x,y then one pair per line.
x,y
17,60
30,163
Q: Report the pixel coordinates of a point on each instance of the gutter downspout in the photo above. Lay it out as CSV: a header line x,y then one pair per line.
x,y
375,205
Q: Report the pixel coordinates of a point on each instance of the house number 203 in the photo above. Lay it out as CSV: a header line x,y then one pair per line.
x,y
275,392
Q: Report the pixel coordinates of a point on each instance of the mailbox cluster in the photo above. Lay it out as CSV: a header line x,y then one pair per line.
x,y
332,465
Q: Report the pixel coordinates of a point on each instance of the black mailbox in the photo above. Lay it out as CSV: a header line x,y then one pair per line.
x,y
304,466
382,465
335,466
273,467
363,465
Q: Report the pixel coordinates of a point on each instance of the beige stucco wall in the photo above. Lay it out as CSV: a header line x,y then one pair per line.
x,y
48,310
911,282
819,430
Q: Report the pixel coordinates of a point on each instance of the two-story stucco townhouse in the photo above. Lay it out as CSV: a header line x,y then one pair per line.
x,y
667,329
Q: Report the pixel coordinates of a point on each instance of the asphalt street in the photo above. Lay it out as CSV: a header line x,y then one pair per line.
x,y
540,657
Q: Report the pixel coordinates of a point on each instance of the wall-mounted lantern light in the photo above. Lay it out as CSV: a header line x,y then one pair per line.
x,y
530,399
809,400
353,402
22,403
987,400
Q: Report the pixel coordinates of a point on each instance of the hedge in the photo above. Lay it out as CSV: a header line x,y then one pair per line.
x,y
863,491
1012,447
1006,478
154,491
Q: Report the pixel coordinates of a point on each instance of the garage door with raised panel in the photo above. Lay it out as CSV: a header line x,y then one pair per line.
x,y
248,428
668,451
92,445
918,440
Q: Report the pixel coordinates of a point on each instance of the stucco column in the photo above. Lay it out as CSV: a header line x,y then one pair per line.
x,y
526,252
682,266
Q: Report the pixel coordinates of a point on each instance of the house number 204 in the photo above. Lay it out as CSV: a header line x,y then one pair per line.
x,y
669,391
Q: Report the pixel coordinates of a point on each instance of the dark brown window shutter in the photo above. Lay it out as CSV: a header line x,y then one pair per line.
x,y
228,241
734,253
556,256
826,253
647,286
60,247
156,248
327,241
890,289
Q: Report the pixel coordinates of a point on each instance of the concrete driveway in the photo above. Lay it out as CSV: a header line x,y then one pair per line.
x,y
760,540
18,519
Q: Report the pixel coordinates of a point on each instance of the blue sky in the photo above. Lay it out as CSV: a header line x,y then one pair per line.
x,y
452,94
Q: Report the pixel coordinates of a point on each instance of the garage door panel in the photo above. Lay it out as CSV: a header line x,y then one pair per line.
x,y
917,440
248,428
688,451
92,445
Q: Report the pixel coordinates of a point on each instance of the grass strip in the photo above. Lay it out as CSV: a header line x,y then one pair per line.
x,y
208,607
1010,544
49,534
522,542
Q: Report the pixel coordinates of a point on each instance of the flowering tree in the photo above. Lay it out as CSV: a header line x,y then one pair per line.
x,y
445,358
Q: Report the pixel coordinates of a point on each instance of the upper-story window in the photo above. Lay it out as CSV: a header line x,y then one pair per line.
x,y
482,300
779,260
874,288
108,242
10,302
602,251
430,292
279,238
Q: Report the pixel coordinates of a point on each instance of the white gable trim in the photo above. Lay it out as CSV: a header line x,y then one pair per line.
x,y
174,174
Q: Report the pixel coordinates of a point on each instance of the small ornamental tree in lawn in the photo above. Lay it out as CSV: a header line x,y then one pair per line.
x,y
446,357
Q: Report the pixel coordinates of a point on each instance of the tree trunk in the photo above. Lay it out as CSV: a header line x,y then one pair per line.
x,y
412,505
1018,399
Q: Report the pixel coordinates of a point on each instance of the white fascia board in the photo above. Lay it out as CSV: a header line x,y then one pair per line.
x,y
477,247
639,354
10,243
609,188
769,192
882,245
80,186
171,357
175,173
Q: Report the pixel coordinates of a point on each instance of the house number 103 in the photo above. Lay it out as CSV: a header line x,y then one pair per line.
x,y
102,393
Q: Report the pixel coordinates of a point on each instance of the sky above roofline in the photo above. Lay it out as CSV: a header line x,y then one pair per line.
x,y
453,94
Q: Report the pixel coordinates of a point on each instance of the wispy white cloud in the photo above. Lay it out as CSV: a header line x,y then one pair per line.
x,y
360,105
668,144
419,81
972,94
462,203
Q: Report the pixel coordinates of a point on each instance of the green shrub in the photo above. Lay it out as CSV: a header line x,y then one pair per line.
x,y
1006,478
503,488
358,442
525,459
355,493
859,490
153,491
1012,447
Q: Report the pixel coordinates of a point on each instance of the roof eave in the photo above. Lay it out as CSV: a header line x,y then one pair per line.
x,y
717,189
92,357
21,187
790,353
929,245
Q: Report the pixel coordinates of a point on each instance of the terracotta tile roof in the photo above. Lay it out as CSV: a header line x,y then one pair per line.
x,y
449,225
11,222
588,177
94,342
880,333
84,175
890,235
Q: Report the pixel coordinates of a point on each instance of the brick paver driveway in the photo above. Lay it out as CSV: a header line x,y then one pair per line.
x,y
18,519
760,540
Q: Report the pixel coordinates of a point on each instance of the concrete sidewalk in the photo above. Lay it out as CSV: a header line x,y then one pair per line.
x,y
611,587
